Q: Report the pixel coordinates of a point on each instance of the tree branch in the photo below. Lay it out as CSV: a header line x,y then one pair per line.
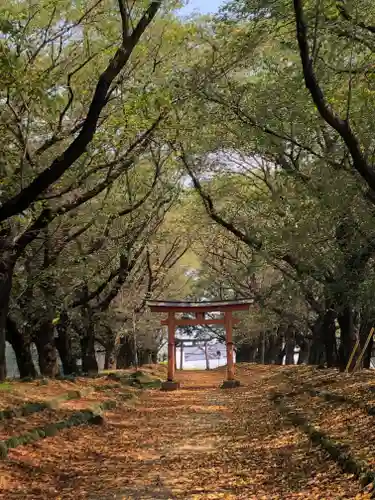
x,y
325,110
62,163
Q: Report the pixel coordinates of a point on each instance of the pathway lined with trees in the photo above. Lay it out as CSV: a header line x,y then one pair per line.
x,y
204,442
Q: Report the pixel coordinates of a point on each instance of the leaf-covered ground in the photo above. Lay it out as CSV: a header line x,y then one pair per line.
x,y
200,442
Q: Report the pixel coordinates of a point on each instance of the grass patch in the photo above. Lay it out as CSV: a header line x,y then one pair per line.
x,y
5,387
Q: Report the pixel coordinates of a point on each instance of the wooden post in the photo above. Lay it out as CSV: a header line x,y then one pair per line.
x,y
230,383
356,345
171,346
356,366
229,341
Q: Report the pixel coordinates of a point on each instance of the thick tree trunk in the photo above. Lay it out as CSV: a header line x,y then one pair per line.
x,y
348,327
154,357
144,357
21,347
274,345
63,344
7,262
89,362
317,349
269,351
110,357
125,355
246,353
46,347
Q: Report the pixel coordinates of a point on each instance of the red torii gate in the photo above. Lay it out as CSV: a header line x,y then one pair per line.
x,y
199,309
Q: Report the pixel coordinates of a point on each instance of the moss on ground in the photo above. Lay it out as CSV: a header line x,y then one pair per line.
x,y
93,416
337,451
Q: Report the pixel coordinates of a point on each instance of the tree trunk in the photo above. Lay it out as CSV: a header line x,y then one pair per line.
x,y
274,345
154,357
246,353
206,356
329,338
7,262
317,348
181,355
258,356
290,345
280,350
47,354
348,324
367,355
21,347
144,357
263,348
89,362
63,344
125,355
364,331
304,349
110,356
280,356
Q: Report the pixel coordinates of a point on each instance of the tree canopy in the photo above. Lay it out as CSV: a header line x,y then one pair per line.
x,y
149,155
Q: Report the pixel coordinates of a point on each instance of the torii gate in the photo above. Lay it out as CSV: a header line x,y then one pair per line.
x,y
199,309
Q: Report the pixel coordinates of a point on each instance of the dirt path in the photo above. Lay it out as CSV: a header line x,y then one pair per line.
x,y
197,443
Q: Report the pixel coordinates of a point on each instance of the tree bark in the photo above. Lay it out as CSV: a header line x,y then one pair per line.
x,y
280,356
258,357
181,355
281,351
364,331
144,357
347,319
110,356
63,344
206,356
290,345
45,343
368,353
329,338
125,355
246,353
89,362
304,349
154,357
317,349
274,345
7,263
21,347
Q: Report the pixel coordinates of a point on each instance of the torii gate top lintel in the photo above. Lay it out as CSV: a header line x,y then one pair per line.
x,y
212,306
199,309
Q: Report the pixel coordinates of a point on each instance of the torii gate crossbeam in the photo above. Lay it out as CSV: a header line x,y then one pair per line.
x,y
199,309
